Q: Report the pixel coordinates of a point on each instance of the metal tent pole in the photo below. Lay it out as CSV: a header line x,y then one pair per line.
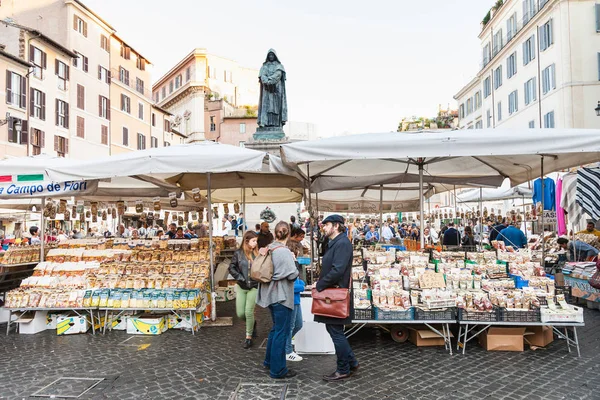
x,y
311,226
455,205
244,223
421,203
542,216
380,213
42,229
525,217
213,302
480,218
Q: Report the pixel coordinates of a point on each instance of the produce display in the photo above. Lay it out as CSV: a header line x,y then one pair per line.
x,y
22,254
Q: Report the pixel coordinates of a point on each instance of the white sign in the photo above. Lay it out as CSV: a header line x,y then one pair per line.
x,y
22,190
550,217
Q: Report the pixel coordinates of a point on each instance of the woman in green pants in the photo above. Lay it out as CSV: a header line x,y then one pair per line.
x,y
246,288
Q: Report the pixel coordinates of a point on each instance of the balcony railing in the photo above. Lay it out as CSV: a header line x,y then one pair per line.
x,y
509,36
131,83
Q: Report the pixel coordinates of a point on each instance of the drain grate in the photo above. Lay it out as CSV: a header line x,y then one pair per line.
x,y
263,345
262,391
67,387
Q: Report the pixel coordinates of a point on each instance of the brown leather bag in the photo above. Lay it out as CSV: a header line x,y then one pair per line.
x,y
333,303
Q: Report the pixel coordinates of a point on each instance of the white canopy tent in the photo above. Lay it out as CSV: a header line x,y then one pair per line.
x,y
517,192
519,155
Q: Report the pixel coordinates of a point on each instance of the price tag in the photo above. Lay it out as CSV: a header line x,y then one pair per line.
x,y
431,280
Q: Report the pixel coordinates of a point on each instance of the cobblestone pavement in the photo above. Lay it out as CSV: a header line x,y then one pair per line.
x,y
213,365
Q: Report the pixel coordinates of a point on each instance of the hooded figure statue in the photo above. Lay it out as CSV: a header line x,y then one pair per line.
x,y
272,105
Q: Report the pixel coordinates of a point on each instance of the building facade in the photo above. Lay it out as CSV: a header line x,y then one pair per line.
x,y
198,79
540,67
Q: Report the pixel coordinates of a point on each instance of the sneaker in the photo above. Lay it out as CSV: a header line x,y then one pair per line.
x,y
290,374
293,357
247,343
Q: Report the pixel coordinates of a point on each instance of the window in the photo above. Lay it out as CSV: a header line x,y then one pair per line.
x,y
499,111
513,102
61,145
188,74
125,104
141,141
548,79
546,36
80,127
62,71
62,113
125,136
531,124
104,43
139,85
140,63
140,111
488,116
498,77
487,87
461,110
469,105
166,144
530,91
479,124
153,118
15,90
37,106
167,125
511,65
103,74
242,144
597,17
104,107
38,59
38,140
177,81
124,75
80,25
170,87
498,42
549,120
125,51
511,27
213,126
104,134
14,135
529,50
477,100
164,92
153,142
80,97
487,56
81,62
529,10
599,66
242,127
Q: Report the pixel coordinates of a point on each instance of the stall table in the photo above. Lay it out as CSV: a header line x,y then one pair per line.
x,y
11,275
480,326
79,311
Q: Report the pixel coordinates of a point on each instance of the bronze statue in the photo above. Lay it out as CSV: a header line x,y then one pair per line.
x,y
272,105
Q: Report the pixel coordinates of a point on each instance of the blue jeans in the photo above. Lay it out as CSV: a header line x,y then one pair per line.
x,y
295,326
275,355
345,355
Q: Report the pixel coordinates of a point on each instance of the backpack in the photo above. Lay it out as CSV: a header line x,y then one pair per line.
x,y
262,267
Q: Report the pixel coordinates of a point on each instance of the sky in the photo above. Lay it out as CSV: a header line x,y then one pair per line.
x,y
352,66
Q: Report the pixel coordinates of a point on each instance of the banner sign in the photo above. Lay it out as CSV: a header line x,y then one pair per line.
x,y
21,190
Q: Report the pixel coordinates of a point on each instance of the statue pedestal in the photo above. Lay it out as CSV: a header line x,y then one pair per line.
x,y
268,139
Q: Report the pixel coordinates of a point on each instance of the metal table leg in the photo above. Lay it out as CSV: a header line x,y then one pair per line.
x,y
91,311
193,322
459,336
449,338
466,338
568,340
576,341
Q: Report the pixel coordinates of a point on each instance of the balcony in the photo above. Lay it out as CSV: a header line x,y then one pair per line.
x,y
131,83
506,39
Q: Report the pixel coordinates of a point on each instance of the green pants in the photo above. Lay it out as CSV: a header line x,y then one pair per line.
x,y
245,301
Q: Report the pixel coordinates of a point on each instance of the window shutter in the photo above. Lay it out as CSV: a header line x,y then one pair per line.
x,y
75,22
99,105
24,132
108,76
23,93
122,51
8,86
44,60
42,139
542,38
66,115
55,142
85,29
10,129
66,146
67,71
31,102
85,64
598,56
31,53
43,106
56,66
99,72
597,17
108,109
56,110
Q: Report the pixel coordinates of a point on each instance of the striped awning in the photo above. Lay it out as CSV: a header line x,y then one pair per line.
x,y
588,191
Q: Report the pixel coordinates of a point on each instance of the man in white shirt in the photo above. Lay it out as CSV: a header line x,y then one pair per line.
x,y
226,225
386,233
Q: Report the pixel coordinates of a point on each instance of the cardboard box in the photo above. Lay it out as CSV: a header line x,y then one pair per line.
x,y
227,283
52,320
32,322
146,324
502,339
224,294
539,336
71,324
423,337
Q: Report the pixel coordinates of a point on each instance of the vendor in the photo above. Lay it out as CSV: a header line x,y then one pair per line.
x,y
578,250
372,235
590,230
172,231
513,236
265,237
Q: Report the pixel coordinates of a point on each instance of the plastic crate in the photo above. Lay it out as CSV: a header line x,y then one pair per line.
x,y
485,316
390,315
303,260
520,316
363,314
447,314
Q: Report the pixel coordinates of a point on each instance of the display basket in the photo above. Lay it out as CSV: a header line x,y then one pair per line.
x,y
447,314
509,315
485,316
393,315
437,304
363,314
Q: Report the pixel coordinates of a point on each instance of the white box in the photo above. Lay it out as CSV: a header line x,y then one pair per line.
x,y
4,315
572,314
32,323
146,325
52,320
313,338
71,325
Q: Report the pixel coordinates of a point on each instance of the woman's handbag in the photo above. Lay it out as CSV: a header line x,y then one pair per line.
x,y
594,281
332,302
